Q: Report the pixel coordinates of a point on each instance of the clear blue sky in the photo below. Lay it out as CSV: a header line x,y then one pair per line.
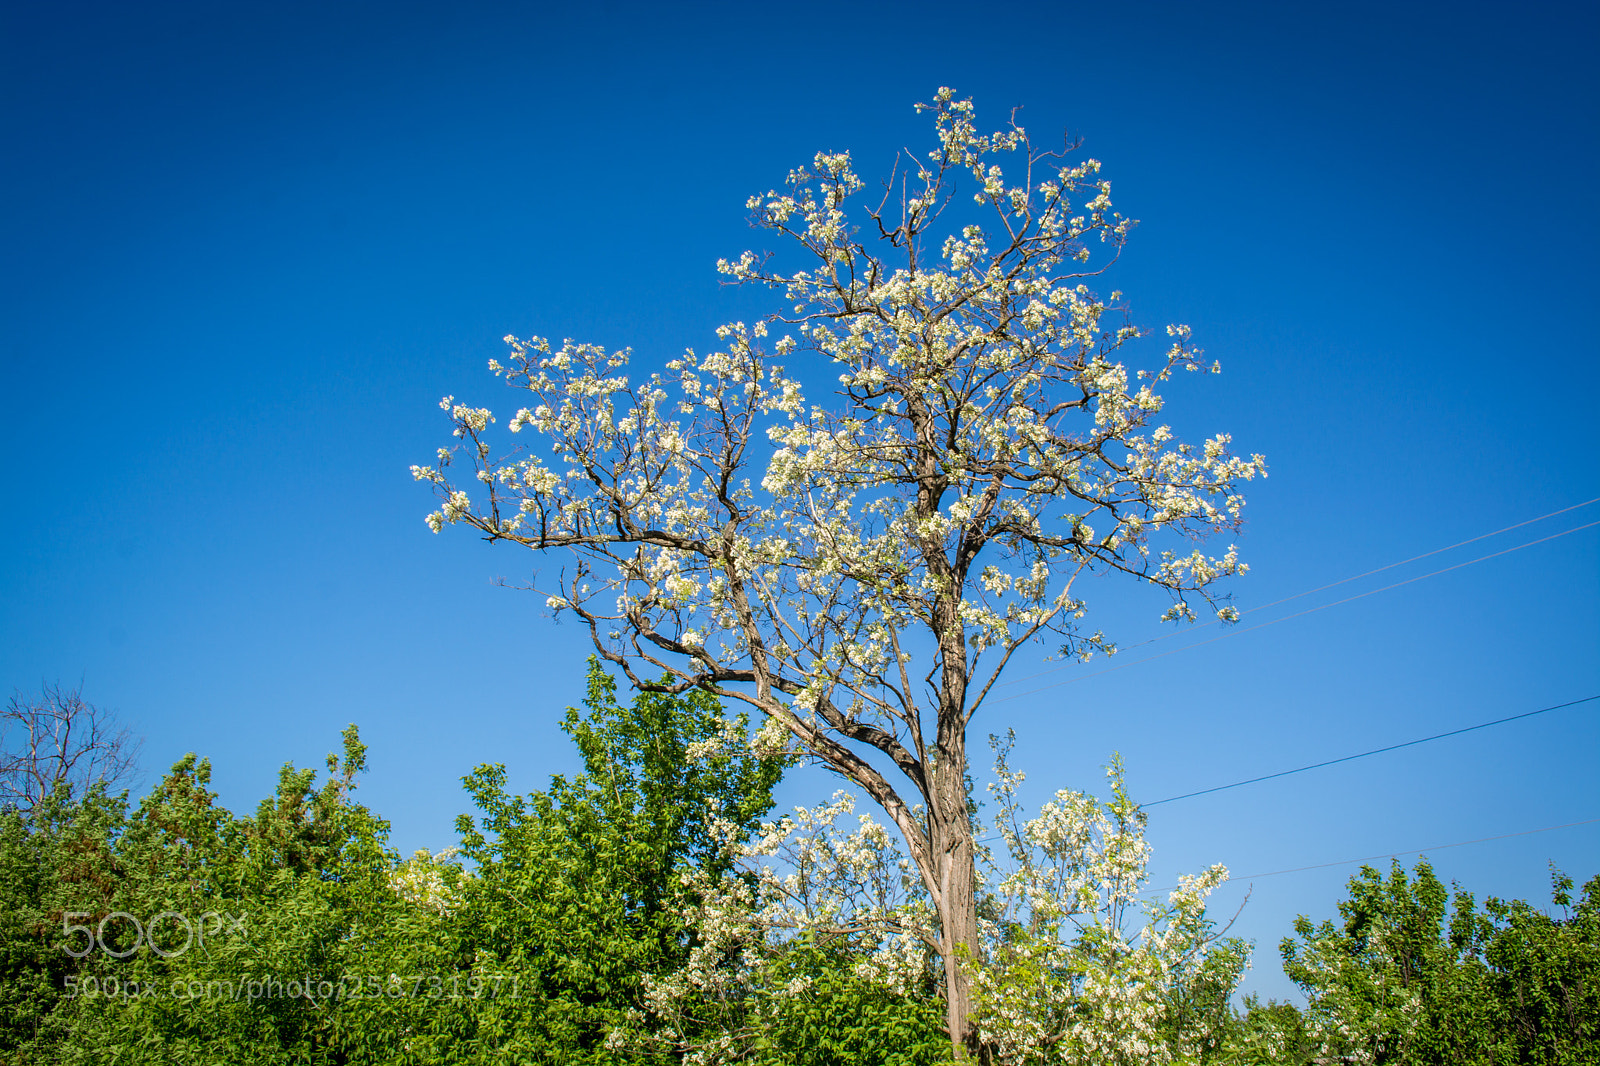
x,y
247,247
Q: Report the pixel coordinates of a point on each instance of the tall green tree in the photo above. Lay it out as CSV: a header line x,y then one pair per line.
x,y
55,856
1410,976
180,933
577,890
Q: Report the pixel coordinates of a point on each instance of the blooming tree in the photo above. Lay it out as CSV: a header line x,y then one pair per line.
x,y
1075,962
861,572
1066,978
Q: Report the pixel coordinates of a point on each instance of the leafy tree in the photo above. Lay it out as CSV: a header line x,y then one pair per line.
x,y
1410,978
861,573
1268,1034
51,852
140,932
1545,973
577,890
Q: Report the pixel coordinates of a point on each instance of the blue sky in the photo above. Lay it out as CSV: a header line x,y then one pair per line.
x,y
247,248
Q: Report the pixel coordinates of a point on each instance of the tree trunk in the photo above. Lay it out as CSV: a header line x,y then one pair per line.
x,y
956,874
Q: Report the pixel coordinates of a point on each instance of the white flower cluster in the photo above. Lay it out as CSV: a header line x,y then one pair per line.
x,y
1066,979
1072,966
427,880
804,879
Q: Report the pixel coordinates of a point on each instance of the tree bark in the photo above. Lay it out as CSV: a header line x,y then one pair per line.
x,y
955,872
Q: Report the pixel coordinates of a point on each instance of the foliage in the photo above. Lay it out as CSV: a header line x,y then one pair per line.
x,y
200,903
860,573
55,849
832,1015
576,889
1267,1034
1399,983
528,956
639,913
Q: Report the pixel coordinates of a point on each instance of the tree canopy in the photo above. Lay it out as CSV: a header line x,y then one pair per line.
x,y
1410,975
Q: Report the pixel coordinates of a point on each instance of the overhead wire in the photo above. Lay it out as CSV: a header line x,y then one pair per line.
x,y
1297,614
1343,581
1359,755
1374,751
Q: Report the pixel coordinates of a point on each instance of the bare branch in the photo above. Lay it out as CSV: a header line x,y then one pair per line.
x,y
56,739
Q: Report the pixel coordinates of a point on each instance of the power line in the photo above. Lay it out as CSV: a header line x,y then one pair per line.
x,y
1336,584
1362,755
1374,751
1425,555
1297,614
